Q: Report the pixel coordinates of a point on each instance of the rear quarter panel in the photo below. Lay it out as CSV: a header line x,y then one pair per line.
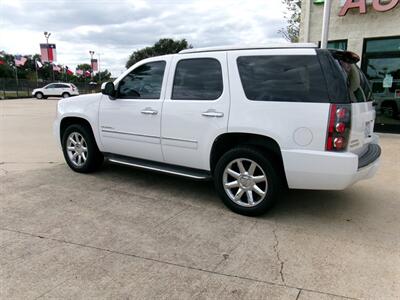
x,y
293,125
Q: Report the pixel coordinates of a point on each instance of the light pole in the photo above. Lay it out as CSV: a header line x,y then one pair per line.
x,y
98,66
91,61
325,24
47,35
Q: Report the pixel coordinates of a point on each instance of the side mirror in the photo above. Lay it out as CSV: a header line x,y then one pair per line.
x,y
108,88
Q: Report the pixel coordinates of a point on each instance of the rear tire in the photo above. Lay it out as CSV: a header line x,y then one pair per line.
x,y
242,188
80,149
66,95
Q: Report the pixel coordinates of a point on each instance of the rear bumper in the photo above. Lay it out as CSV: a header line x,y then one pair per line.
x,y
322,170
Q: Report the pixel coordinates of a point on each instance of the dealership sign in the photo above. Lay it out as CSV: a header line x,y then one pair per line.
x,y
361,5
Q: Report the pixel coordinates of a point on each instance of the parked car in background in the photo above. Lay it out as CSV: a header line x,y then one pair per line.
x,y
387,99
58,89
256,120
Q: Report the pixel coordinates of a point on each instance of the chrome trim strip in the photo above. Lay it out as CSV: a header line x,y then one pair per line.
x,y
156,169
129,133
180,140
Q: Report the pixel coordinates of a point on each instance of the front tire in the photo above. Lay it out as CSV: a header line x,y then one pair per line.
x,y
39,95
80,149
246,180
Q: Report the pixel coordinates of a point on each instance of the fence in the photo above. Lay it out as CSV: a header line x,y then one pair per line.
x,y
11,89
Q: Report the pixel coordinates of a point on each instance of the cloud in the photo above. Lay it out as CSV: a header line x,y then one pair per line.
x,y
116,28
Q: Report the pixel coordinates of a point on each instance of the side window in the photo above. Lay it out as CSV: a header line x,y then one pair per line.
x,y
197,79
144,82
294,78
51,86
61,86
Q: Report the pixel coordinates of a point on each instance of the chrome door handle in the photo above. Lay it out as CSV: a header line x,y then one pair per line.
x,y
213,113
149,111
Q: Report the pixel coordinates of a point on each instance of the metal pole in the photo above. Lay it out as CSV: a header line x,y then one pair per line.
x,y
325,24
37,77
98,66
16,78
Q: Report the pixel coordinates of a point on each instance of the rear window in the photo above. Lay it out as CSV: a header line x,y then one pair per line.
x,y
294,78
357,84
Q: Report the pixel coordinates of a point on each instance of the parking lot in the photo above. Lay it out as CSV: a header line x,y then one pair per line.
x,y
124,233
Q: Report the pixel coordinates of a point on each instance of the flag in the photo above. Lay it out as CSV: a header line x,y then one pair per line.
x,y
39,64
95,65
48,52
56,68
87,73
20,60
79,72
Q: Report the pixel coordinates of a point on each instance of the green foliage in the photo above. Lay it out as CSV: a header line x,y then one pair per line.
x,y
28,70
292,16
84,67
162,47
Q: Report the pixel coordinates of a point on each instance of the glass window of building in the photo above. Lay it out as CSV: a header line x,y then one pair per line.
x,y
381,64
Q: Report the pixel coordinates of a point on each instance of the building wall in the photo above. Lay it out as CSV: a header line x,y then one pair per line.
x,y
354,26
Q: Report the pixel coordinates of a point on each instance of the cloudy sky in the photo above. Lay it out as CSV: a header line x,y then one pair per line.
x,y
115,28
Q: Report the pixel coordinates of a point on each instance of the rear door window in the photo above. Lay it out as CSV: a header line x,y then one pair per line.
x,y
197,79
293,78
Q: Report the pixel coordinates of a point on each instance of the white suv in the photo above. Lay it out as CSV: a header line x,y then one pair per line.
x,y
58,89
256,120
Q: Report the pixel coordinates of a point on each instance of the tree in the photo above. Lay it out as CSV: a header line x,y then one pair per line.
x,y
84,67
292,16
104,76
162,47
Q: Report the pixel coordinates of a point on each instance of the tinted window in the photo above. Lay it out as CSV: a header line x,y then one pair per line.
x,y
144,82
51,86
296,78
197,79
357,84
61,86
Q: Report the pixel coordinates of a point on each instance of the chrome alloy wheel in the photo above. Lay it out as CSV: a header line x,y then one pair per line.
x,y
77,149
245,182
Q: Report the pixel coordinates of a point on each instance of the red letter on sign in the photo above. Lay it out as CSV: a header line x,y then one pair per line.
x,y
360,4
384,7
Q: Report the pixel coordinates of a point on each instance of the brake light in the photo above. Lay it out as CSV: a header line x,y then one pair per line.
x,y
339,124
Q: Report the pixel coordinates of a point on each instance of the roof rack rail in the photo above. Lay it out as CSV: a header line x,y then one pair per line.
x,y
249,47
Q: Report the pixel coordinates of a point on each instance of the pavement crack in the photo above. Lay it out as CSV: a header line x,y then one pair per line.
x,y
178,265
298,295
280,261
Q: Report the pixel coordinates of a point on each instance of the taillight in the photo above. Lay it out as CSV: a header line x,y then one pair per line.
x,y
338,127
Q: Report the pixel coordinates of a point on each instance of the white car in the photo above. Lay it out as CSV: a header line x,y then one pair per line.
x,y
58,89
256,120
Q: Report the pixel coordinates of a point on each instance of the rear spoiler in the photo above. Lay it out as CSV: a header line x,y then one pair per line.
x,y
346,56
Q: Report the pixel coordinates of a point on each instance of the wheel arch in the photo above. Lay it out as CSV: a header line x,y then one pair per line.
x,y
227,141
70,120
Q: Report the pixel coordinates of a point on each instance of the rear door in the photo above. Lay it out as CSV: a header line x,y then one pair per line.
x,y
50,90
196,108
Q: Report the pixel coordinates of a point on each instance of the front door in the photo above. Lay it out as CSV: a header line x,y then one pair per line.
x,y
130,124
196,108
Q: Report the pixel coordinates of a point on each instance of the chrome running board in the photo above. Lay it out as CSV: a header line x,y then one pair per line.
x,y
158,167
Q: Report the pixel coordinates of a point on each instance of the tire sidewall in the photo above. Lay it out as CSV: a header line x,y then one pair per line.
x,y
65,95
274,181
37,96
91,162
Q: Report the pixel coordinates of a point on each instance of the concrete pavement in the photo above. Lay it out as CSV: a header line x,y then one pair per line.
x,y
123,233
